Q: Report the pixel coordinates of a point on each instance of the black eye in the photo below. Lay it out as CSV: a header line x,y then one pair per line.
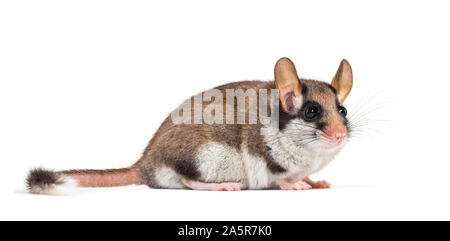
x,y
312,112
342,111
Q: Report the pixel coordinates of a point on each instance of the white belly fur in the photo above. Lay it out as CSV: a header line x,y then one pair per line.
x,y
218,163
221,163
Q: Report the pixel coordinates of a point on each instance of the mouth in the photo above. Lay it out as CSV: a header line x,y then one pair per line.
x,y
328,144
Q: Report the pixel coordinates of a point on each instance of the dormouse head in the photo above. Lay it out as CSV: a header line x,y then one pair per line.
x,y
312,112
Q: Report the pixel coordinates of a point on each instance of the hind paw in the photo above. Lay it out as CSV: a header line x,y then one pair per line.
x,y
294,186
225,186
228,186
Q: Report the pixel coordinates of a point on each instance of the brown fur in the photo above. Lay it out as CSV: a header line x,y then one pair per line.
x,y
176,146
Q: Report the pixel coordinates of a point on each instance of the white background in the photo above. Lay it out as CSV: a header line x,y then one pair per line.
x,y
85,84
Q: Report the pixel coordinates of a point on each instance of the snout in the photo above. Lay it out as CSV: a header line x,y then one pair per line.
x,y
336,134
338,137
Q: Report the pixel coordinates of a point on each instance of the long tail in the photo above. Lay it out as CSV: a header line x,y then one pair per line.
x,y
43,181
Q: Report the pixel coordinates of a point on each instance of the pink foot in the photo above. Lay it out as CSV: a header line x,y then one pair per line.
x,y
318,184
321,184
226,186
294,186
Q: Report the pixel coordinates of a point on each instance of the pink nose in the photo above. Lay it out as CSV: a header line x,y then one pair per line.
x,y
338,136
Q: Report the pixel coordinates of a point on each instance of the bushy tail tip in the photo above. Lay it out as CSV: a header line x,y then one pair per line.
x,y
43,181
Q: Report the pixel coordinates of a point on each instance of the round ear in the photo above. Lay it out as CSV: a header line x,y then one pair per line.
x,y
288,84
343,80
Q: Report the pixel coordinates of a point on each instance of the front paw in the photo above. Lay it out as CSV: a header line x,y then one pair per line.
x,y
321,184
318,184
294,186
